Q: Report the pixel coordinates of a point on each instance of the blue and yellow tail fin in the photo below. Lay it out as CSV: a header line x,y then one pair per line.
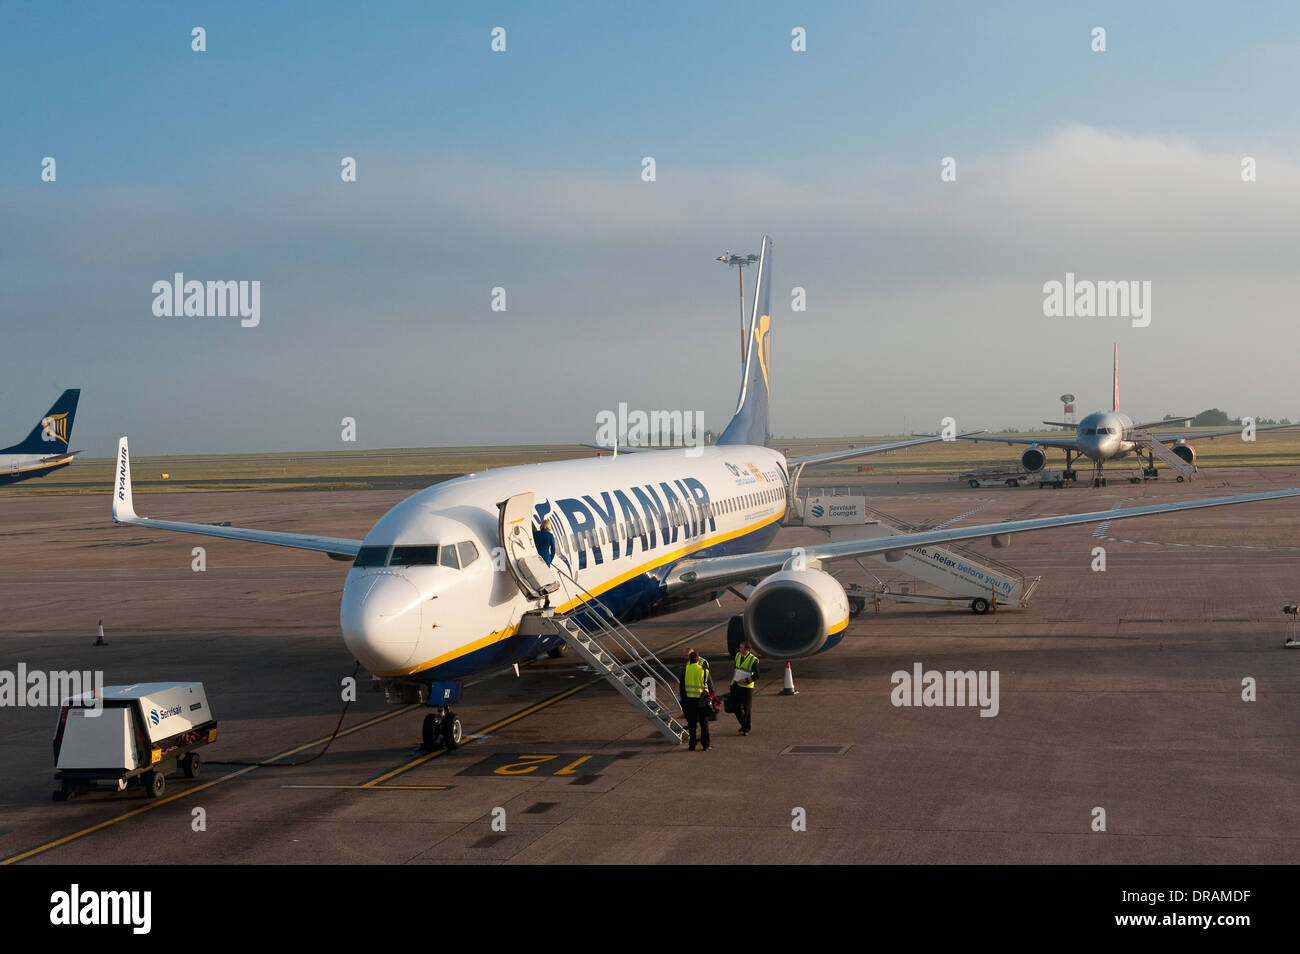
x,y
749,425
52,432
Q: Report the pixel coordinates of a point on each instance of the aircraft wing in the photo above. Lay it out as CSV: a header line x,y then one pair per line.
x,y
715,572
338,548
1205,435
851,452
1065,443
611,449
1165,422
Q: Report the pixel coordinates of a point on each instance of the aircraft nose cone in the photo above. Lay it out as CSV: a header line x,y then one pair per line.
x,y
380,617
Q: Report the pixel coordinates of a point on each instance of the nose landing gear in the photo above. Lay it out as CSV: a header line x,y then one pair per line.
x,y
441,730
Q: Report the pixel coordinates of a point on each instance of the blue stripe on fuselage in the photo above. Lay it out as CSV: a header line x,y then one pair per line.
x,y
643,595
12,478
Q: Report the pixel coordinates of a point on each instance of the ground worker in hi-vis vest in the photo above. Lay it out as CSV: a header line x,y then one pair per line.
x,y
695,697
742,686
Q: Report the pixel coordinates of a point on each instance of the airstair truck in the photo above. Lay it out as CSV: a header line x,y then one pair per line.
x,y
975,580
131,735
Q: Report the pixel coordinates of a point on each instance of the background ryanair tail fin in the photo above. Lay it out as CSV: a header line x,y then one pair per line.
x,y
52,432
749,425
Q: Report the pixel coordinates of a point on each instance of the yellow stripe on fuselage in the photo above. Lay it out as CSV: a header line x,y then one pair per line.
x,y
23,470
605,587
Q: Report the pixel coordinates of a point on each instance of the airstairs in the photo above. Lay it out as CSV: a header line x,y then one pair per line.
x,y
617,655
1160,449
977,580
591,629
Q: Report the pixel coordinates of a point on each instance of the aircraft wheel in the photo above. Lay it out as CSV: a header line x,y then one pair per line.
x,y
451,731
430,734
555,652
979,606
856,606
155,783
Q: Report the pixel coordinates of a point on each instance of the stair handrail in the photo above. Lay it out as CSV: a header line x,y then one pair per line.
x,y
640,657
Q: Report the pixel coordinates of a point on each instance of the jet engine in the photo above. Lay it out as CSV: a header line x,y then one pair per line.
x,y
1033,459
1186,451
792,613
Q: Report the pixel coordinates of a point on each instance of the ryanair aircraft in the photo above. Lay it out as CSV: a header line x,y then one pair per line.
x,y
45,449
449,582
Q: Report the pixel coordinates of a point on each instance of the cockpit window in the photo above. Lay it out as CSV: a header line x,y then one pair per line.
x,y
372,556
415,556
454,555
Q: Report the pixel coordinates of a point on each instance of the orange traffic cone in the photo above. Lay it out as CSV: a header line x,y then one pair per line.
x,y
789,689
100,640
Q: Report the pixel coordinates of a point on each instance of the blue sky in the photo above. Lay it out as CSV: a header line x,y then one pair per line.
x,y
522,170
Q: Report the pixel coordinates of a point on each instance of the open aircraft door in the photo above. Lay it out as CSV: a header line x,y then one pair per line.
x,y
525,564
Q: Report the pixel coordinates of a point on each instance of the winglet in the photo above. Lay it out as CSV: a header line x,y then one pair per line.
x,y
123,507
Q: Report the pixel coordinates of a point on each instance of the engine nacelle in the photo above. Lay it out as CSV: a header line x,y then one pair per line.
x,y
793,613
1185,451
1033,459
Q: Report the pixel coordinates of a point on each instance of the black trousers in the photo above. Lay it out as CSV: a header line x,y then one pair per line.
x,y
695,716
742,698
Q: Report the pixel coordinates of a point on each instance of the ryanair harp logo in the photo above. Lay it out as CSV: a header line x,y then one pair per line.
x,y
763,344
55,428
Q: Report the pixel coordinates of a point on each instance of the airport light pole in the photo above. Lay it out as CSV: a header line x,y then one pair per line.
x,y
738,262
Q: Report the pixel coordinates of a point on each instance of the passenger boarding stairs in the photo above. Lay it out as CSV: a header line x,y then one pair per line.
x,y
1160,449
616,654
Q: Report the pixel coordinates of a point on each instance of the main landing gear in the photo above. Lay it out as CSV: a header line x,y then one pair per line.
x,y
1069,473
442,730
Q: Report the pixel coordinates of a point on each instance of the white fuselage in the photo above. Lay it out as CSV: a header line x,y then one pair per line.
x,y
14,467
1103,435
429,594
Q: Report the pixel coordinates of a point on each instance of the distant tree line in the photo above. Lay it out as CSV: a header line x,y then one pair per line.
x,y
1216,418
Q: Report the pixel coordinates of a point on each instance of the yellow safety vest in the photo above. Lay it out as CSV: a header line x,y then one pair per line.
x,y
747,663
694,680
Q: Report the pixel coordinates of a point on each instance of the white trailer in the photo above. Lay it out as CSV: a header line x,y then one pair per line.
x,y
130,735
